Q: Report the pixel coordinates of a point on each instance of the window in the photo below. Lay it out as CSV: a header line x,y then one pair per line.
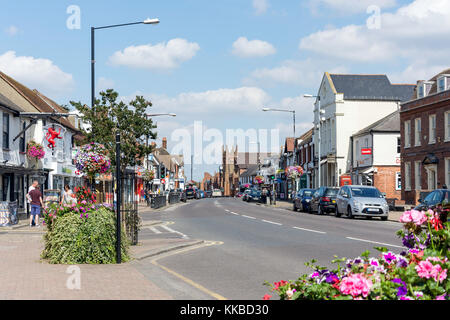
x,y
398,181
447,172
418,131
407,134
399,145
22,146
407,176
447,125
432,128
418,175
5,131
441,84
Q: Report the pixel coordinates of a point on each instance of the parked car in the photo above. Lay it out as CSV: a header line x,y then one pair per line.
x,y
216,193
190,193
201,193
323,200
302,199
436,197
208,194
254,195
183,197
361,201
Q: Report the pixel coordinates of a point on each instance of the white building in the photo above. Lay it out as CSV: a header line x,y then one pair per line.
x,y
349,103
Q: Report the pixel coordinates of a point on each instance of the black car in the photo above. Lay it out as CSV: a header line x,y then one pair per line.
x,y
436,197
324,200
190,193
302,199
254,195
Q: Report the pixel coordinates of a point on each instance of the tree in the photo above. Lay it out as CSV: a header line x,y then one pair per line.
x,y
109,116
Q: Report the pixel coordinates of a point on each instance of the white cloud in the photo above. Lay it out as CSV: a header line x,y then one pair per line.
x,y
260,6
307,73
105,83
244,48
37,73
12,31
160,56
351,6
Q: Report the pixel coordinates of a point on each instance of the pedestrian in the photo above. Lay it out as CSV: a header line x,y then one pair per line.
x,y
36,203
68,196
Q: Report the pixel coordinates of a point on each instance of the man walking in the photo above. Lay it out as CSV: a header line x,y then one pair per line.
x,y
36,203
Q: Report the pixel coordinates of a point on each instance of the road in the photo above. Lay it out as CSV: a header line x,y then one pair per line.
x,y
251,244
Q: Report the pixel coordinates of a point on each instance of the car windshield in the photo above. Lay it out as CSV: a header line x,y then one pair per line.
x,y
366,192
189,190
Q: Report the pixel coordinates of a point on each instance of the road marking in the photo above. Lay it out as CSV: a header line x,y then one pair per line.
x,y
248,217
298,228
278,224
385,244
174,231
185,279
236,214
154,230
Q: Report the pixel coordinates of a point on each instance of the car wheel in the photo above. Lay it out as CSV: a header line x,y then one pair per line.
x,y
349,213
384,218
294,208
319,210
336,212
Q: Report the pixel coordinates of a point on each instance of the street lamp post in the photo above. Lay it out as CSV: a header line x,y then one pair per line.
x,y
118,151
320,111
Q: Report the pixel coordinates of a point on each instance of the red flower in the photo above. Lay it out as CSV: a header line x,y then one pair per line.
x,y
267,297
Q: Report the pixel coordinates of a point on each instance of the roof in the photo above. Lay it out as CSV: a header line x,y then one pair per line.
x,y
433,88
38,100
289,145
370,87
306,136
390,123
8,104
251,171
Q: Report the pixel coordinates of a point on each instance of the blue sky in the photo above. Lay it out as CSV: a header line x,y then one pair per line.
x,y
221,61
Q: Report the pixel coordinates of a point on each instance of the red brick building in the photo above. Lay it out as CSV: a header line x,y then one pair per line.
x,y
425,138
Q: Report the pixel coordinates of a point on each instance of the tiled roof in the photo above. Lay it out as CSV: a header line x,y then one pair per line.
x,y
37,100
5,102
370,87
289,145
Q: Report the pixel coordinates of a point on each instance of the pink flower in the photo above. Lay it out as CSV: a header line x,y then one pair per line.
x,y
418,217
356,285
424,269
438,274
406,217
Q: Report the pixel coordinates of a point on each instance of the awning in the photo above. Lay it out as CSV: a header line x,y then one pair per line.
x,y
368,170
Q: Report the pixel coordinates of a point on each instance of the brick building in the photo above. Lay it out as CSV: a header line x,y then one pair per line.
x,y
425,138
304,153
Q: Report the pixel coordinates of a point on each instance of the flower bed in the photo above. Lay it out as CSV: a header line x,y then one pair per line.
x,y
417,273
81,233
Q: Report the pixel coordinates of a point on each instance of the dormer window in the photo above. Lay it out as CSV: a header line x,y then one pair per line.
x,y
423,88
443,83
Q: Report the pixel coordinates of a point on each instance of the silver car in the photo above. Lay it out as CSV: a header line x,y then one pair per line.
x,y
361,201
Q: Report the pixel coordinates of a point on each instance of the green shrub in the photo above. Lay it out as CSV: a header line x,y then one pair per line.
x,y
77,239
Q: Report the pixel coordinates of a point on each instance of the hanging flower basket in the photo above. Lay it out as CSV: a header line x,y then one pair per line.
x,y
35,151
148,175
293,172
259,179
92,159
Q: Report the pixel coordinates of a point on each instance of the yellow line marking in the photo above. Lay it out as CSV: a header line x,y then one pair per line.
x,y
185,279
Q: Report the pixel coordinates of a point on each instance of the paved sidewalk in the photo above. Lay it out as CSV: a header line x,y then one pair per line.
x,y
23,275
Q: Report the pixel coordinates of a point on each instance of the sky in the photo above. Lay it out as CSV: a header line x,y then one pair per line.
x,y
216,64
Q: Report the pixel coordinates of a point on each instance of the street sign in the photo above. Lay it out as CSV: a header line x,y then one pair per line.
x,y
163,181
366,151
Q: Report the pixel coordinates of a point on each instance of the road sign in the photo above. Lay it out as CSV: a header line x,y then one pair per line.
x,y
366,151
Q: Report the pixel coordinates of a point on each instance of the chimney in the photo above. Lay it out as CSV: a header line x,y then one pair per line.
x,y
164,143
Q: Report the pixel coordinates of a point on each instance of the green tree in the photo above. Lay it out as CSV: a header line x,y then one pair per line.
x,y
109,116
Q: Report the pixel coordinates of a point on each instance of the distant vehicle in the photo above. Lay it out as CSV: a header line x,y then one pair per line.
x,y
216,193
201,194
436,197
190,193
364,201
239,195
302,200
245,194
254,195
323,200
208,194
183,197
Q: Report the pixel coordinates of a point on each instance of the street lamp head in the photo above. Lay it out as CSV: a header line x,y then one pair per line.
x,y
172,114
308,96
266,109
151,21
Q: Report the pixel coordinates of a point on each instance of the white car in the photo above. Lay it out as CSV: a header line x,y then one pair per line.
x,y
216,193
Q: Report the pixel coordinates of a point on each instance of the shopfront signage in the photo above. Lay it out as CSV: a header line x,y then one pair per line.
x,y
366,151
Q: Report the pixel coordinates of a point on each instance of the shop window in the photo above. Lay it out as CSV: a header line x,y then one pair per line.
x,y
5,131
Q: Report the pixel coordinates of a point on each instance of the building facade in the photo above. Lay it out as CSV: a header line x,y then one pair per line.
x,y
425,138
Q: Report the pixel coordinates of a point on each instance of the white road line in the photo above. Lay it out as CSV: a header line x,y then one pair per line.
x,y
154,230
174,231
249,217
236,214
385,244
278,224
298,228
